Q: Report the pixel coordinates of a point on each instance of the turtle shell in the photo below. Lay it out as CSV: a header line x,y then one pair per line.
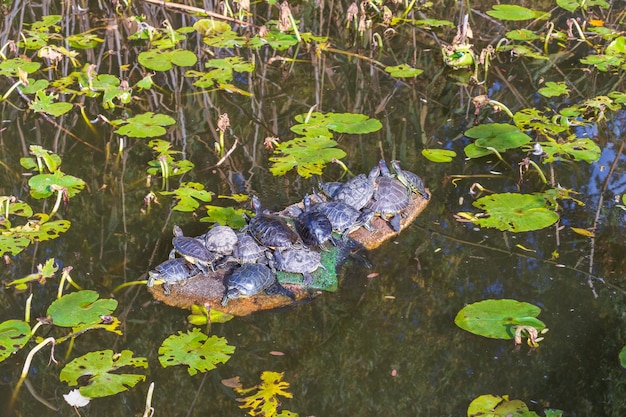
x,y
359,190
313,226
171,271
340,215
410,179
192,250
390,197
247,250
249,279
272,231
299,260
221,240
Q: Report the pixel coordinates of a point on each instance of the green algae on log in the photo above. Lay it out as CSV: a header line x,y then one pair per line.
x,y
208,289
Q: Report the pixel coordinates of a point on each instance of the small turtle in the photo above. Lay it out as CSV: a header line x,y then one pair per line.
x,y
344,218
359,190
299,260
330,188
390,197
410,180
192,250
250,279
247,250
171,271
220,240
313,226
269,230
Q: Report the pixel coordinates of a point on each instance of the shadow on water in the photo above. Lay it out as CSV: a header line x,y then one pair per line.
x,y
385,343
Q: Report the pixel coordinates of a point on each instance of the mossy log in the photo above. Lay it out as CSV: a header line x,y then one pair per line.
x,y
208,289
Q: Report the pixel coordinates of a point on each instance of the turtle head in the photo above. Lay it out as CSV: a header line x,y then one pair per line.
x,y
384,169
177,231
256,204
231,294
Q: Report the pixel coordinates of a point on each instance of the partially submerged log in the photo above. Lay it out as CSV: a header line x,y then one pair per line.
x,y
208,290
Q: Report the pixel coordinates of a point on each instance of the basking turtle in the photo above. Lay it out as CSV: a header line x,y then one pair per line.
x,y
410,180
344,218
250,279
171,271
247,250
192,250
299,260
359,190
269,230
390,197
330,188
220,240
313,226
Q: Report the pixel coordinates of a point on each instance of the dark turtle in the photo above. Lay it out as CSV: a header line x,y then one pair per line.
x,y
330,188
410,180
390,197
247,250
192,250
250,279
220,240
171,271
344,218
313,226
359,190
299,260
268,229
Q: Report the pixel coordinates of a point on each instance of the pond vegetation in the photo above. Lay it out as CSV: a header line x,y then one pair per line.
x,y
121,119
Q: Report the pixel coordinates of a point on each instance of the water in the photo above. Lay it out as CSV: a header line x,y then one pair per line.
x,y
383,345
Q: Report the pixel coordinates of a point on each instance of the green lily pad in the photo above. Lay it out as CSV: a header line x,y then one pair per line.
x,y
146,125
438,155
82,307
522,35
101,368
553,89
515,212
187,196
514,12
11,67
160,60
622,357
571,5
43,273
46,185
13,244
309,155
583,149
536,120
339,122
495,406
522,50
226,216
13,336
45,104
494,135
196,350
496,318
280,41
39,231
34,86
403,71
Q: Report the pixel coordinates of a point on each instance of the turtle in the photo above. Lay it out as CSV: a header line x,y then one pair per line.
x,y
268,229
192,250
358,191
246,250
298,260
330,188
171,271
344,218
313,226
220,240
252,278
410,180
390,197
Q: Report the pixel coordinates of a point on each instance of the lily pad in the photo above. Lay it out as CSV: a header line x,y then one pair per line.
x,y
159,60
196,350
553,89
46,185
338,122
146,125
82,307
99,367
494,406
514,12
44,103
13,336
498,136
622,357
403,71
583,149
571,5
515,212
497,319
438,155
225,216
308,155
187,196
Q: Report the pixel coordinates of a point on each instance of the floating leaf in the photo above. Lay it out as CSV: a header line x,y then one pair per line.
x,y
339,122
39,231
622,357
264,402
523,35
280,41
160,60
536,120
46,185
494,135
225,216
99,367
438,155
43,272
200,316
12,67
515,212
583,149
82,307
13,336
34,86
514,12
497,319
583,232
309,155
493,405
571,5
403,70
553,89
45,103
144,125
13,244
194,349
187,196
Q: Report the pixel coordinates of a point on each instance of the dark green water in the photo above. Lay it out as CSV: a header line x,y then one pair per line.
x,y
380,346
